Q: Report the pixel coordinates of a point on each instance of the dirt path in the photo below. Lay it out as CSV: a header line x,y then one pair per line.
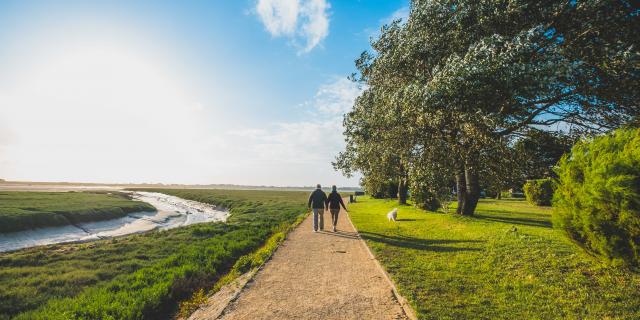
x,y
322,275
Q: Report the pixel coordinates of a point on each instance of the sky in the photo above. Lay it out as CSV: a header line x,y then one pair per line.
x,y
248,92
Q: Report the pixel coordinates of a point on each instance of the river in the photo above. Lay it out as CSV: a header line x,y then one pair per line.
x,y
172,212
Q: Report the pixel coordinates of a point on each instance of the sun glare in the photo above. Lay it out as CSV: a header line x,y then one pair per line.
x,y
98,105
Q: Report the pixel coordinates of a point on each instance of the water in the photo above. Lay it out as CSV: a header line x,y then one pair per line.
x,y
172,212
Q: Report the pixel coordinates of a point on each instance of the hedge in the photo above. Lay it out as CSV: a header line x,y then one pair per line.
x,y
598,197
539,192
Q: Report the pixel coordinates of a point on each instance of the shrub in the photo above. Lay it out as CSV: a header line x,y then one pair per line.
x,y
385,190
512,194
425,199
539,192
490,193
598,197
187,307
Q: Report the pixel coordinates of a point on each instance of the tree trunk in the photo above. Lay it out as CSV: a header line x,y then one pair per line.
x,y
403,187
461,190
403,190
499,195
473,188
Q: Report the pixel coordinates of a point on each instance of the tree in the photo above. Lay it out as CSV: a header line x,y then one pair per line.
x,y
539,151
449,86
502,169
377,149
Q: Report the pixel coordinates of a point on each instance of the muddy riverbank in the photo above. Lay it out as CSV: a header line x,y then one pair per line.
x,y
172,212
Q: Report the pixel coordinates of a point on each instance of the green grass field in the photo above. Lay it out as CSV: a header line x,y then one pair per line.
x,y
28,210
505,263
142,276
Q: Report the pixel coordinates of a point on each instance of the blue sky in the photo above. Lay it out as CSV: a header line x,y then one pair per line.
x,y
244,92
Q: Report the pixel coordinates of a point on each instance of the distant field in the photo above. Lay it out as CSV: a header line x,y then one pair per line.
x,y
142,276
505,263
28,210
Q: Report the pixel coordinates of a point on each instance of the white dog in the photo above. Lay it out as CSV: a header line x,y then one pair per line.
x,y
392,215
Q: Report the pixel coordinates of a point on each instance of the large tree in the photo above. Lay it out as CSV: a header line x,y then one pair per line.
x,y
464,76
376,147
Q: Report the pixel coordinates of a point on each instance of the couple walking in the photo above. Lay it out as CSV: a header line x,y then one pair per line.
x,y
319,202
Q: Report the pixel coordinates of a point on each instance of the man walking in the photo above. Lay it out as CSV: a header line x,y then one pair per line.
x,y
317,201
334,201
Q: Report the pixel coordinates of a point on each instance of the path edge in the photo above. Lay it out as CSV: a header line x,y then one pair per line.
x,y
408,311
256,270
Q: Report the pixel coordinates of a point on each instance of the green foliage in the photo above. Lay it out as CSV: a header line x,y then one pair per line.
x,y
539,192
258,258
425,199
539,151
598,197
187,307
506,262
380,190
28,210
431,184
143,276
511,194
451,85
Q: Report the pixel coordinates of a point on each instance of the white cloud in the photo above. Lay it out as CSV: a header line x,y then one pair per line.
x,y
316,22
298,20
280,17
336,98
299,149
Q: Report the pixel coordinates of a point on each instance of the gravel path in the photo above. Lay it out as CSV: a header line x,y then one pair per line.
x,y
322,275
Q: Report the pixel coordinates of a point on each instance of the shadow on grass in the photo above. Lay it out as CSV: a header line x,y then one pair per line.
x,y
408,219
511,212
436,245
514,200
517,220
341,234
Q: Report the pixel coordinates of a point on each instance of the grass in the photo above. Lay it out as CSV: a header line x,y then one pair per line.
x,y
505,263
244,264
143,276
28,210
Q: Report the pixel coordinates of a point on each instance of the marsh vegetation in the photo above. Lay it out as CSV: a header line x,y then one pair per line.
x,y
29,210
142,276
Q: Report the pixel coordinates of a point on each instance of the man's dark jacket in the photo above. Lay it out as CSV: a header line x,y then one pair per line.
x,y
317,199
335,201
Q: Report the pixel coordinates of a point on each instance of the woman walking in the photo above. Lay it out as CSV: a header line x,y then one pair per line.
x,y
334,201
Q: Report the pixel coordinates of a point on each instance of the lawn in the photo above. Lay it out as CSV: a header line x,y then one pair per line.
x,y
142,276
28,210
505,263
